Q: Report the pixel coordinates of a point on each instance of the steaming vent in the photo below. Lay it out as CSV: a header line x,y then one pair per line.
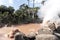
x,y
50,11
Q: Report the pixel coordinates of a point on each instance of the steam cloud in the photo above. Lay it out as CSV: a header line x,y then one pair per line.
x,y
50,10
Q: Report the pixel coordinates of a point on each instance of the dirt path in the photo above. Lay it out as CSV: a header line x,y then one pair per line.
x,y
29,27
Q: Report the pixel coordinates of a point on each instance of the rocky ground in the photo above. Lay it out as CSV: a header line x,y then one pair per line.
x,y
26,29
30,32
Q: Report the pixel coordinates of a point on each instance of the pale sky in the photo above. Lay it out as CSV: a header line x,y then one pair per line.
x,y
17,3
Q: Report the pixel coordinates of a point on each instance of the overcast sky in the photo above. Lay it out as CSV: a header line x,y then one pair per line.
x,y
17,3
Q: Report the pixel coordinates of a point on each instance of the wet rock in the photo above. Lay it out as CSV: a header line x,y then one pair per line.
x,y
46,37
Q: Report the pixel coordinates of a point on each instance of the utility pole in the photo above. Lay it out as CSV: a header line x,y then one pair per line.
x,y
33,3
28,2
33,9
28,8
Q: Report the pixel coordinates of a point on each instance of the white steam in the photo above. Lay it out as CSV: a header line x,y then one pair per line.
x,y
50,10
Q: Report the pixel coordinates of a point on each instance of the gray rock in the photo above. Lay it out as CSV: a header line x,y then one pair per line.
x,y
46,37
57,29
32,34
45,31
19,36
57,34
52,26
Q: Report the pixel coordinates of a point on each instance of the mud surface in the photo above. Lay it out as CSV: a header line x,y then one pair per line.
x,y
26,29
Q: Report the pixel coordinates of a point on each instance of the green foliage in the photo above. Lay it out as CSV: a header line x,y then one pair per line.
x,y
24,14
10,9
